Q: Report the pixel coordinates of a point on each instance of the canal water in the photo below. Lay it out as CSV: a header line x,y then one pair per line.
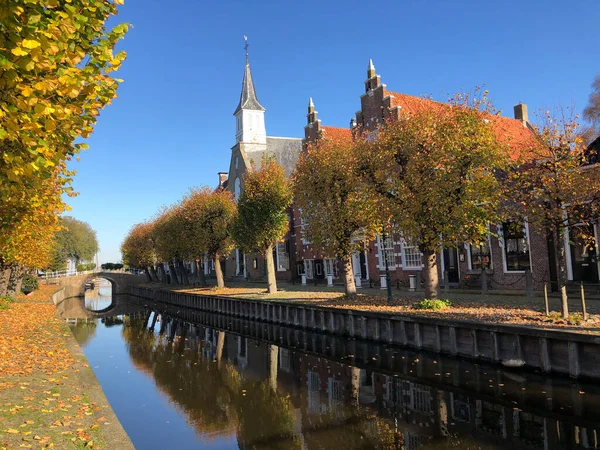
x,y
180,379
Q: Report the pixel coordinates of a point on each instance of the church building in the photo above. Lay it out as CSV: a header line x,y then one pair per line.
x,y
252,145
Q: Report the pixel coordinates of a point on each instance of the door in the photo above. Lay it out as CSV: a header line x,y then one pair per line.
x,y
584,259
359,265
451,264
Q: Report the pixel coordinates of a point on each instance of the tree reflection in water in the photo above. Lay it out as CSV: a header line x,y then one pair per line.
x,y
271,387
220,399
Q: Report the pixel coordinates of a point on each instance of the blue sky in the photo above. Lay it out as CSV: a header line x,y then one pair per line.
x,y
172,126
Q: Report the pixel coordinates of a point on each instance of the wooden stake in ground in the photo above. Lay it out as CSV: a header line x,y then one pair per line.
x,y
585,314
546,299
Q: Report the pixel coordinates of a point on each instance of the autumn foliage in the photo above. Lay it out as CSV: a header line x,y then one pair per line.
x,y
263,216
437,171
338,208
55,64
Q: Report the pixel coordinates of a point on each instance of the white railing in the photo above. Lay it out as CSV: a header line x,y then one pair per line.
x,y
63,273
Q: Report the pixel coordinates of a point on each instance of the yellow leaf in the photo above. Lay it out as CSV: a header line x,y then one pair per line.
x,y
18,51
27,91
30,43
12,431
119,2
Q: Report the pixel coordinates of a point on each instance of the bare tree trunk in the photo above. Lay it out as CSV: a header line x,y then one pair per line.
x,y
348,276
219,272
148,276
153,274
173,272
561,258
184,275
14,281
200,271
4,278
431,274
271,280
273,366
220,345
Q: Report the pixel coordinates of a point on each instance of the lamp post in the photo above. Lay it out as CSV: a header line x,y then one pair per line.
x,y
388,282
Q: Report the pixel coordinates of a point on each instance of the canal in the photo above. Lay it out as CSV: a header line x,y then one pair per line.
x,y
180,379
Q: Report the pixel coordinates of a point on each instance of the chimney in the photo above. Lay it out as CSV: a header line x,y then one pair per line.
x,y
521,113
222,178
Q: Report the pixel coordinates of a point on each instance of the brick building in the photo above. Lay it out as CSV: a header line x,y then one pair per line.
x,y
506,257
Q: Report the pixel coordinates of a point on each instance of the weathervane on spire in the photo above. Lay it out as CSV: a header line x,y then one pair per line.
x,y
246,47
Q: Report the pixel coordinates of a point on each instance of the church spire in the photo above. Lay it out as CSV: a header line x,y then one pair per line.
x,y
248,99
250,114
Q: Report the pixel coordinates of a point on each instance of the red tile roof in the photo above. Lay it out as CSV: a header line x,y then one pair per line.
x,y
336,133
510,131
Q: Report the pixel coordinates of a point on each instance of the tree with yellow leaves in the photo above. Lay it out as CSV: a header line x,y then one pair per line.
x,y
557,188
263,219
436,170
335,204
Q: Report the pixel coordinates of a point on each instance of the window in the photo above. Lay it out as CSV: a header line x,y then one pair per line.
x,y
284,360
237,162
330,267
411,257
283,260
516,248
300,269
309,268
238,188
314,396
302,228
319,269
480,256
240,262
386,252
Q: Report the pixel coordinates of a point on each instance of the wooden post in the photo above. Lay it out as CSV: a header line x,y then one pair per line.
x,y
585,314
546,299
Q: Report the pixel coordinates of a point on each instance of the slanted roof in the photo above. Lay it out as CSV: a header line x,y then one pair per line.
x,y
336,133
522,140
284,150
248,99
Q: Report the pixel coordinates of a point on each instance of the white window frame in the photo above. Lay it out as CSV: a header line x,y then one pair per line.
x,y
309,268
405,259
390,252
502,244
470,260
282,257
239,255
330,267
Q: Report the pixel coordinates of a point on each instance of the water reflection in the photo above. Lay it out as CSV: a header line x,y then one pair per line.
x,y
246,385
98,294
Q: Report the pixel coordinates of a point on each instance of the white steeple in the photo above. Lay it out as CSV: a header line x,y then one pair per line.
x,y
249,114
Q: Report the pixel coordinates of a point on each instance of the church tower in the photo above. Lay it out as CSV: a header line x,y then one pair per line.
x,y
250,114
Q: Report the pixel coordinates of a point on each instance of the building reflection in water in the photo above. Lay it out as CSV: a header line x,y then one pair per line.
x,y
279,388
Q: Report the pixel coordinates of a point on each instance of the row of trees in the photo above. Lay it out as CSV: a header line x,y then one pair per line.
x,y
207,223
440,176
56,59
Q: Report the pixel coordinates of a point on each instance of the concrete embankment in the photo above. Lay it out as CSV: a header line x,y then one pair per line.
x,y
551,351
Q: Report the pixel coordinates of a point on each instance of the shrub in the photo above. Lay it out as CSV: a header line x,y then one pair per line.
x,y
433,304
556,317
29,281
85,266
